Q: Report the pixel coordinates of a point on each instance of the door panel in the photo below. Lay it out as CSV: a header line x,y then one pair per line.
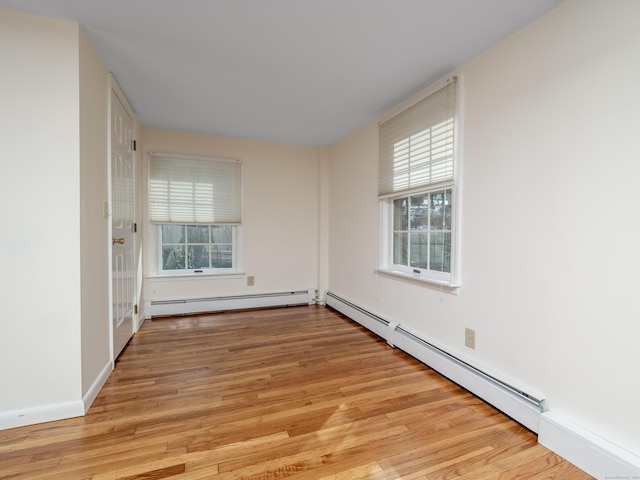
x,y
122,225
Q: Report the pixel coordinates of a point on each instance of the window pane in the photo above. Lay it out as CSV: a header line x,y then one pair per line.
x,y
198,256
440,252
400,211
221,256
437,210
221,234
441,210
198,234
173,258
400,247
419,250
192,247
448,199
172,233
419,214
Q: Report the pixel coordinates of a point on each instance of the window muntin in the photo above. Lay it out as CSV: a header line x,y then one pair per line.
x,y
190,248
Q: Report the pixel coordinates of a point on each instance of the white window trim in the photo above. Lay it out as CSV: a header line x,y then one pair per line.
x,y
191,275
443,285
238,258
385,250
449,282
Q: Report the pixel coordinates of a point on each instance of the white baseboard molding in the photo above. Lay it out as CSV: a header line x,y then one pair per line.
x,y
191,306
589,452
522,404
56,411
97,385
41,414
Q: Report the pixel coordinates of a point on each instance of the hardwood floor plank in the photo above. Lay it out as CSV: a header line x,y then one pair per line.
x,y
320,442
158,474
299,392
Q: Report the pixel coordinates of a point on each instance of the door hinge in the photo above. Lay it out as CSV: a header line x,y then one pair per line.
x,y
135,309
134,228
133,145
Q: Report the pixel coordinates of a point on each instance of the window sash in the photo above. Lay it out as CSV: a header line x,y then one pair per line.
x,y
416,147
190,245
421,231
194,190
391,225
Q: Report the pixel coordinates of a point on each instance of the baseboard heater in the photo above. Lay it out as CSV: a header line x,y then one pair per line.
x,y
190,306
523,406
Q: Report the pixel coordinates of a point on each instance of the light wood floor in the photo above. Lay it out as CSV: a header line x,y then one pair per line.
x,y
299,392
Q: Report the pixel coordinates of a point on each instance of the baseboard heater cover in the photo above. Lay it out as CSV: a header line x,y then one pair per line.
x,y
524,407
189,306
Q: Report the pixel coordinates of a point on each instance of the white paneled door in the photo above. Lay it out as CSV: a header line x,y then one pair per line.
x,y
122,224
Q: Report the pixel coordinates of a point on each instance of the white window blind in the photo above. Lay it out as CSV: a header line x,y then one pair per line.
x,y
417,145
194,190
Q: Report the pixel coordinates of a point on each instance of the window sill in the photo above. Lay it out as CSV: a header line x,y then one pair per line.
x,y
192,275
434,282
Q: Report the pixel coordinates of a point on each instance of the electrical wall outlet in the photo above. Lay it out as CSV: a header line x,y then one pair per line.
x,y
470,338
251,281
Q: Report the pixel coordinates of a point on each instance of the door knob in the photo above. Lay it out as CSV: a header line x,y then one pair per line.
x,y
115,240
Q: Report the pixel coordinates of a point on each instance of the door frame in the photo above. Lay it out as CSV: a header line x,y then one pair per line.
x,y
114,88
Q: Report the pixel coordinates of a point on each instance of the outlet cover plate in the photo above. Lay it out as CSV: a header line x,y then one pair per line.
x,y
470,338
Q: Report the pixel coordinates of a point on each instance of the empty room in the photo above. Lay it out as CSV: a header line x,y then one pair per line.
x,y
320,239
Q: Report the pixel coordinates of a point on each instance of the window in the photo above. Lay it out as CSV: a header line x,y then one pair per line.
x,y
195,205
417,189
196,247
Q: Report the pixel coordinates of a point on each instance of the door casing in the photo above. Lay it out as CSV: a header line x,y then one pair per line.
x,y
122,225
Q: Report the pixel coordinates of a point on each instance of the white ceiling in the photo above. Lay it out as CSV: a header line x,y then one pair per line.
x,y
304,72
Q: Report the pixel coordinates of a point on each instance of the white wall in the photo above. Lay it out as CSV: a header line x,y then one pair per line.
x,y
54,346
40,361
550,228
280,228
94,227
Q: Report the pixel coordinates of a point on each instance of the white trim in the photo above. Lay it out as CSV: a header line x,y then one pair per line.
x,y
447,280
191,274
589,452
94,390
155,252
447,286
113,88
41,414
431,187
